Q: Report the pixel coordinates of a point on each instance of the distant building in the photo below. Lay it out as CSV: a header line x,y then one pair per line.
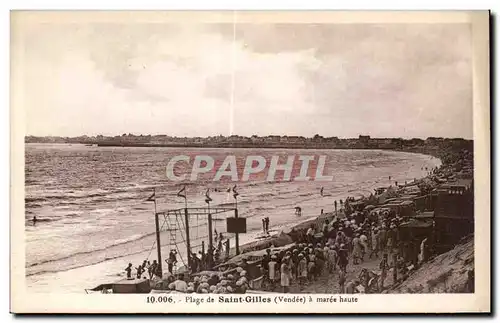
x,y
364,139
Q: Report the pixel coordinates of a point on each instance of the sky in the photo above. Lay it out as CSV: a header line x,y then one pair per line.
x,y
193,79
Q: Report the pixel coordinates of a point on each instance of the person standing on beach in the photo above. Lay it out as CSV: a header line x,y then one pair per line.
x,y
342,280
219,245
363,240
343,258
341,238
285,274
144,266
264,225
272,272
302,269
394,268
356,249
139,272
266,260
128,270
267,225
325,231
332,259
311,265
382,238
171,261
310,234
335,204
153,269
383,267
375,240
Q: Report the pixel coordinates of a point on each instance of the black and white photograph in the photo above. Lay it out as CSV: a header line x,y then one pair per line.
x,y
226,153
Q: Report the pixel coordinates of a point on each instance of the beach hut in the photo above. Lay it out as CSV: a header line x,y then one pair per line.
x,y
368,208
125,286
407,209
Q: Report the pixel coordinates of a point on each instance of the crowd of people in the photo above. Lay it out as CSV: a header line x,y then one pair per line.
x,y
350,239
214,283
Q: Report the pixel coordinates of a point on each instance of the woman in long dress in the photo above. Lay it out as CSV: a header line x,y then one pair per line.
x,y
356,249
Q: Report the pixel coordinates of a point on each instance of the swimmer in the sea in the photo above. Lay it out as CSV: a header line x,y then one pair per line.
x,y
34,220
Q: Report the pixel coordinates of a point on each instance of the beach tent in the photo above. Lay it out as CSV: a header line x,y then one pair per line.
x,y
390,192
255,255
369,207
283,239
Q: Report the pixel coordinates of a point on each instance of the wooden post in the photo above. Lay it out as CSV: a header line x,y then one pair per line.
x,y
188,241
158,244
237,236
210,239
228,247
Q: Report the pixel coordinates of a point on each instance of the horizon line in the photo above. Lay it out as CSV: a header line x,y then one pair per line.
x,y
227,136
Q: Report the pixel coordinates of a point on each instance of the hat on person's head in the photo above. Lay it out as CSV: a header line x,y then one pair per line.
x,y
273,257
229,289
230,276
196,279
301,255
326,248
239,283
213,288
243,273
204,291
239,269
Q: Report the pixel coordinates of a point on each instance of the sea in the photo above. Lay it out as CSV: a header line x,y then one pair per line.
x,y
94,216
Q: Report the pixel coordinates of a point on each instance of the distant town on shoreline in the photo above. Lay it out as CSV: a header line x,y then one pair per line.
x,y
271,141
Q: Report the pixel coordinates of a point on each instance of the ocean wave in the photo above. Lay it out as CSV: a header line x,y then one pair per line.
x,y
264,195
118,242
265,208
44,219
33,272
34,199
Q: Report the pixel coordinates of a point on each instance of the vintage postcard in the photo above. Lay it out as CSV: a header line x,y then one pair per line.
x,y
250,162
